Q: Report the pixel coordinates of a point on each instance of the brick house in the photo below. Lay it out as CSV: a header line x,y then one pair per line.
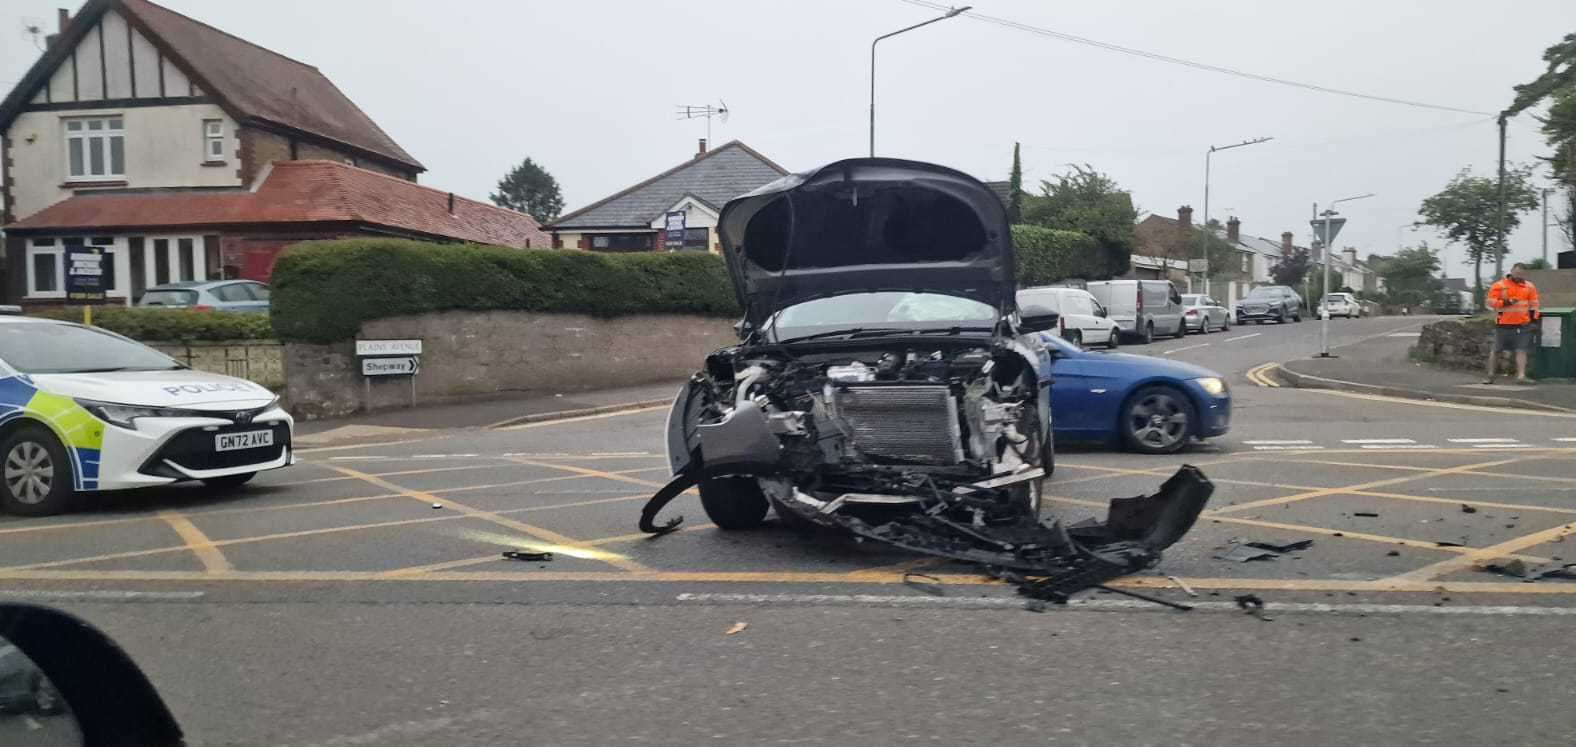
x,y
632,219
190,154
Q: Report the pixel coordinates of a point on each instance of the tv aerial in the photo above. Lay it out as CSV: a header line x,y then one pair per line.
x,y
720,111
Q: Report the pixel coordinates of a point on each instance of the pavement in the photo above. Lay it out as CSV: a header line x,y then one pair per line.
x,y
1382,365
360,597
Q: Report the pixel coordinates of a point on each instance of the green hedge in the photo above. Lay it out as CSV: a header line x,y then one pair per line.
x,y
1048,255
324,290
171,325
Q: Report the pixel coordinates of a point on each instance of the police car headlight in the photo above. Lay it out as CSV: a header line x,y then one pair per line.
x,y
126,416
1216,387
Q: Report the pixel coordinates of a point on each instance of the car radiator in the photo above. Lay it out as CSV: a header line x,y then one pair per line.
x,y
906,424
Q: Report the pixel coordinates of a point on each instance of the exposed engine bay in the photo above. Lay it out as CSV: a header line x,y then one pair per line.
x,y
936,445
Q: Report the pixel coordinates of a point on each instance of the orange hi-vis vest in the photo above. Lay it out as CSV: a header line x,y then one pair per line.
x,y
1517,303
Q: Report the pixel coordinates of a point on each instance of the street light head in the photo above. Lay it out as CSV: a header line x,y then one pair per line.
x,y
956,11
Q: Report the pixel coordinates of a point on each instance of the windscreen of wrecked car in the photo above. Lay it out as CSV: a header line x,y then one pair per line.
x,y
882,310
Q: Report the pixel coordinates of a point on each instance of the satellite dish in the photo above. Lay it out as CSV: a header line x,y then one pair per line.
x,y
722,110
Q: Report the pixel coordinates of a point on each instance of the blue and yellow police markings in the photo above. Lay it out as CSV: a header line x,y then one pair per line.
x,y
82,433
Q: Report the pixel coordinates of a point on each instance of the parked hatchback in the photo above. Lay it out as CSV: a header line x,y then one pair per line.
x,y
209,295
1343,305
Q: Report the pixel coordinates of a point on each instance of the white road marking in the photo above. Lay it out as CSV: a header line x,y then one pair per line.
x,y
1482,440
1190,347
1566,440
1399,446
357,458
1289,442
1378,441
1121,605
1498,446
100,594
1241,337
1287,448
1405,334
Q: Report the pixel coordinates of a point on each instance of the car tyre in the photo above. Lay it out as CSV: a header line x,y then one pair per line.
x,y
1156,420
1075,337
733,503
1115,340
229,482
35,473
1149,333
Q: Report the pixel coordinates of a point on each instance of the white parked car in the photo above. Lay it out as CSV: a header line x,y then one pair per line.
x,y
83,410
1083,321
1343,305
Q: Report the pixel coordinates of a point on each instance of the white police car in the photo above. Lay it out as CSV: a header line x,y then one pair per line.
x,y
82,410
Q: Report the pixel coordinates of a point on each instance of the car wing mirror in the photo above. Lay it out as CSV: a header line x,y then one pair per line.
x,y
76,684
1041,322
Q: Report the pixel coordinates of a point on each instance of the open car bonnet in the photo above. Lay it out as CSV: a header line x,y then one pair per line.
x,y
863,225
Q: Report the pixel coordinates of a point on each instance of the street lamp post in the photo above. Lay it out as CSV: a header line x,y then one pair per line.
x,y
1546,194
1329,256
950,14
1207,154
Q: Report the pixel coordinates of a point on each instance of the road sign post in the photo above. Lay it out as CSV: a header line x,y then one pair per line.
x,y
387,358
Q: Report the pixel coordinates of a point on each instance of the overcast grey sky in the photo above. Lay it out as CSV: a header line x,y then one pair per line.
x,y
588,89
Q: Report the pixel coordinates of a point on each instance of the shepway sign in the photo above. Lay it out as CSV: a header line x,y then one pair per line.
x,y
407,365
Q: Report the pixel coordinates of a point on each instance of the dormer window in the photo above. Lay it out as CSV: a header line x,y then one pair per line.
x,y
213,140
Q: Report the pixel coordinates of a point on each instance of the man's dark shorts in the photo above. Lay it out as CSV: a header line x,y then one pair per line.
x,y
1513,338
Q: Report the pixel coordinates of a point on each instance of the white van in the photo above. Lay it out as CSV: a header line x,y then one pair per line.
x,y
1082,321
1143,309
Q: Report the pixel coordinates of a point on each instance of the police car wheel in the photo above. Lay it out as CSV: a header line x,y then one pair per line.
x,y
35,473
229,482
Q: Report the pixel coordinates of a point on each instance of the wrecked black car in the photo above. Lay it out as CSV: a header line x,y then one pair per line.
x,y
886,385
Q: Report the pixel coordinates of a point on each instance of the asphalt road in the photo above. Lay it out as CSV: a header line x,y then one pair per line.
x,y
360,598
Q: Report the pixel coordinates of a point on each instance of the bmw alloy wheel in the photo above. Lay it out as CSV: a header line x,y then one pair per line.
x,y
1157,421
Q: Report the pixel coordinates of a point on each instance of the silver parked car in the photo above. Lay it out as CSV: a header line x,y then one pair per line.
x,y
209,295
1204,314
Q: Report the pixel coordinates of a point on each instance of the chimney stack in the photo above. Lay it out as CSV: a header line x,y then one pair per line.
x,y
1185,215
1233,229
63,19
1286,246
451,203
701,151
1351,256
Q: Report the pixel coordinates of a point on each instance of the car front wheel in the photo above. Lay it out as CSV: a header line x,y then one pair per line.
x,y
35,473
1157,420
1149,333
1115,340
734,502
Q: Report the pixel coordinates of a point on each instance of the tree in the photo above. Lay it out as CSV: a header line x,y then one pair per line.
x,y
1015,189
1559,75
1409,276
1225,260
1291,270
1538,264
1559,129
1467,210
1086,200
529,189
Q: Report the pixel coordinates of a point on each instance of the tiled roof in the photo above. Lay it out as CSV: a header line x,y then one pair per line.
x,y
255,84
719,175
300,192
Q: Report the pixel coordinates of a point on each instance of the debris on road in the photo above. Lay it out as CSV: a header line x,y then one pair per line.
x,y
1243,552
932,588
1517,568
1394,553
527,556
1447,543
1366,514
437,505
1179,582
1252,605
1283,549
1468,509
737,628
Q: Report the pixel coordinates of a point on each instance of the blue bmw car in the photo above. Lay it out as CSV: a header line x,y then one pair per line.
x,y
1150,405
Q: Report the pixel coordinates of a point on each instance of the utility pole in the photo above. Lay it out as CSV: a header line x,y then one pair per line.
x,y
1207,231
1546,192
950,14
1499,253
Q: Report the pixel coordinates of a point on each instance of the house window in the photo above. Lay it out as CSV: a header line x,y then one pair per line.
x,y
1247,263
697,238
170,259
213,140
45,269
622,242
95,148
